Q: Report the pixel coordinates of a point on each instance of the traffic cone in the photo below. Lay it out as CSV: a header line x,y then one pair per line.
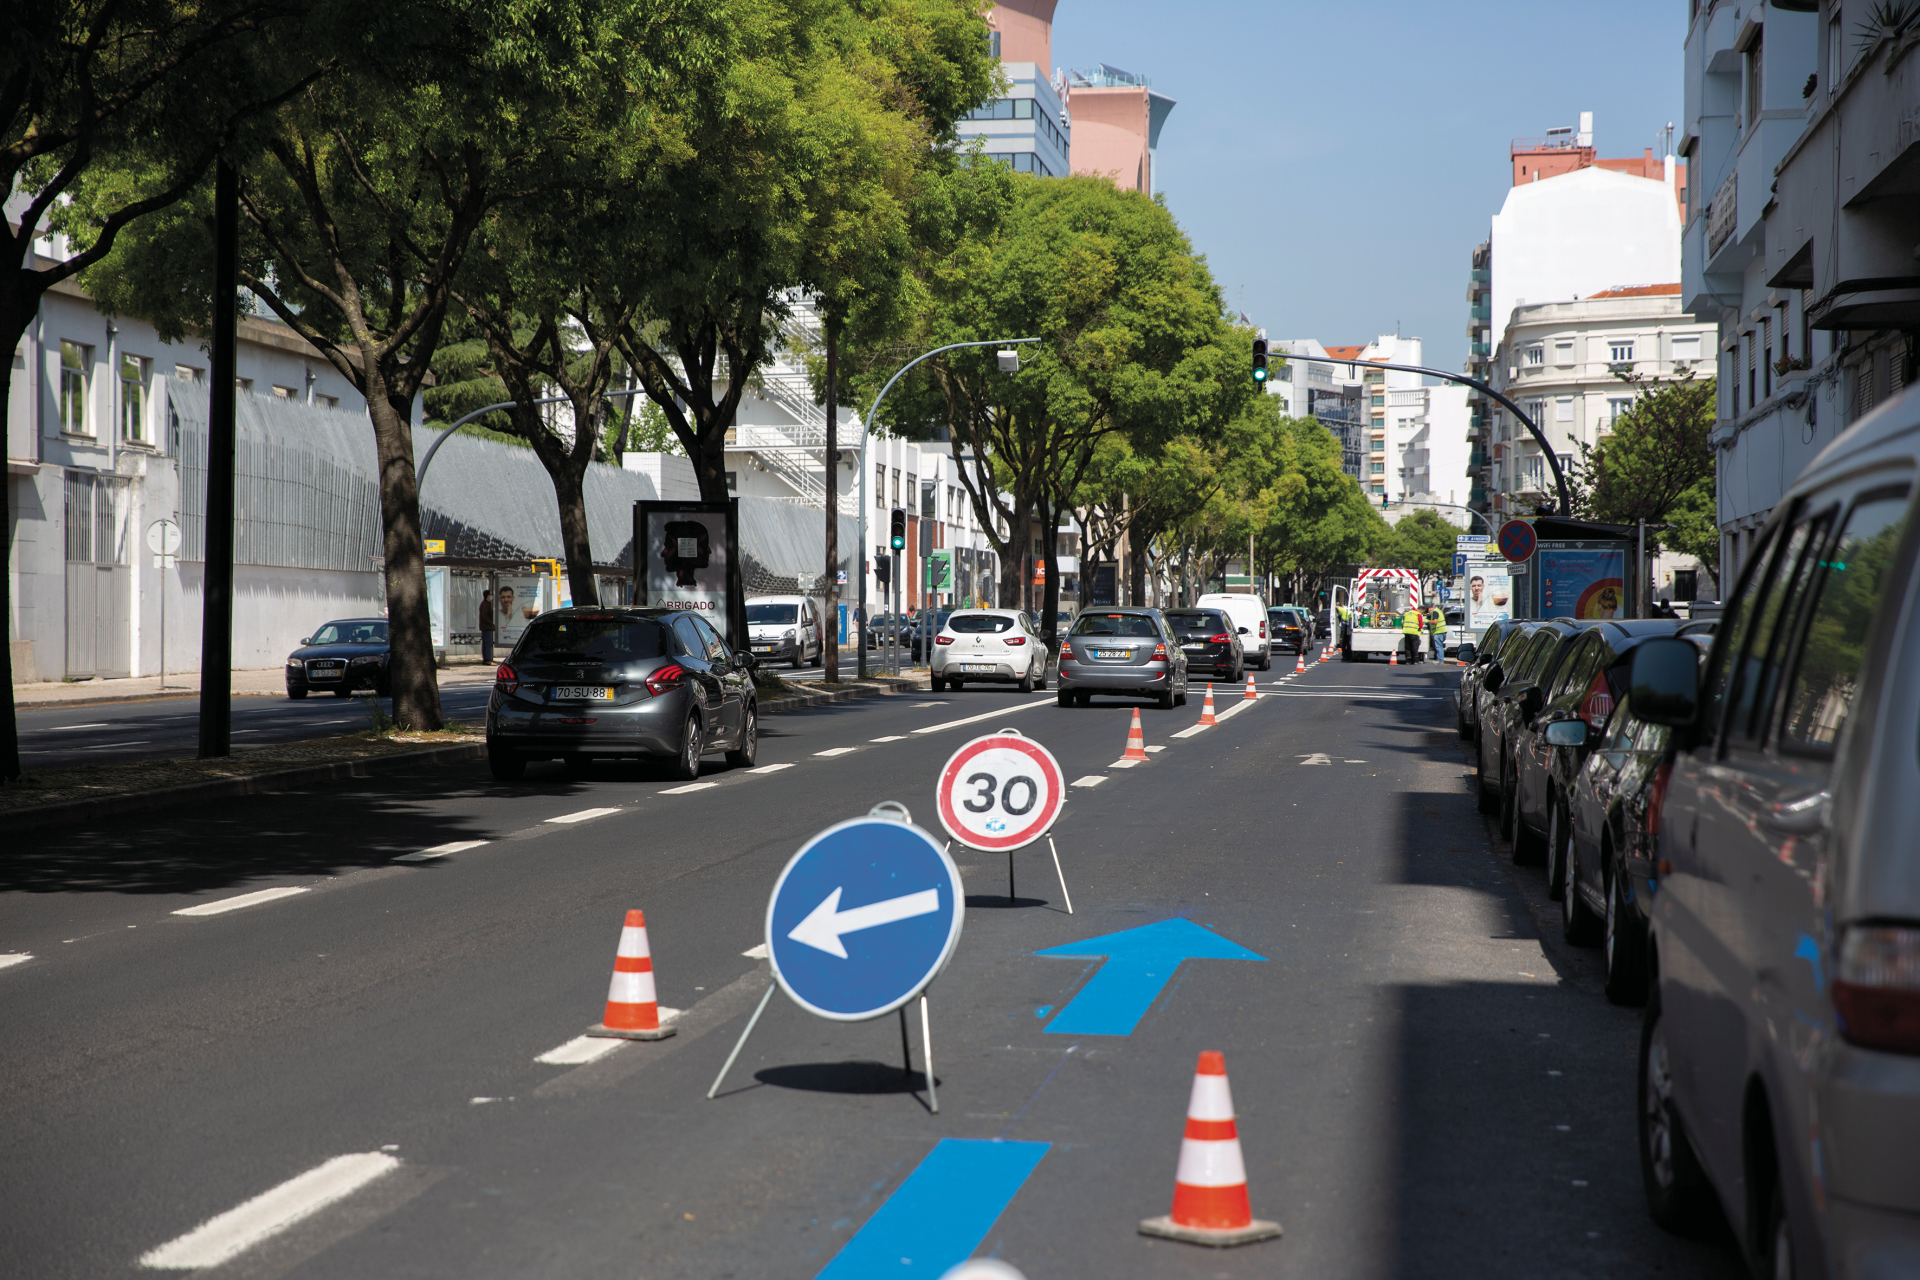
x,y
1393,656
633,1013
1251,691
1210,1186
1299,663
1325,650
1136,741
1206,708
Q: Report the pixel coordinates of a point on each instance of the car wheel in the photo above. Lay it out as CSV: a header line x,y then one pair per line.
x,y
1026,681
799,659
1083,697
1669,1171
1625,942
1164,700
1576,917
1180,698
937,684
742,756
505,765
1460,724
1777,1237
1559,840
1064,698
686,765
296,694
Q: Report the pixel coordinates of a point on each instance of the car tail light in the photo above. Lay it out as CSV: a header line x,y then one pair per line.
x,y
506,679
1657,798
1876,990
1263,631
671,676
1160,653
1066,651
943,639
1222,638
1014,640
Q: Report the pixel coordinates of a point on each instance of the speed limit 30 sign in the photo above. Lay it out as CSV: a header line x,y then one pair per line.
x,y
1000,792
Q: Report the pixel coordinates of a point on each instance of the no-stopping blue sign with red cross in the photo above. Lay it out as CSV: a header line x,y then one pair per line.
x,y
1517,540
1000,792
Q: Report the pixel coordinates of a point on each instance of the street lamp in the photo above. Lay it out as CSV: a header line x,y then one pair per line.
x,y
866,434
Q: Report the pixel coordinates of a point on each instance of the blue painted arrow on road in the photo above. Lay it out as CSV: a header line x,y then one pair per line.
x,y
1139,963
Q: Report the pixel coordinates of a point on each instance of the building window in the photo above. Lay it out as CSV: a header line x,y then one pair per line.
x,y
133,398
1379,445
1377,402
1766,355
1377,468
284,393
1537,411
1536,355
1686,347
896,486
243,385
186,373
1753,349
1022,162
1756,87
880,485
1563,409
96,510
733,477
327,402
1563,352
1620,351
1617,407
76,364
993,45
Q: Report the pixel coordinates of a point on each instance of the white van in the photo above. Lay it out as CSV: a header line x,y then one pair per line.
x,y
1249,614
784,629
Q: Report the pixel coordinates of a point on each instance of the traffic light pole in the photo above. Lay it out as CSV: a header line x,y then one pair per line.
x,y
866,435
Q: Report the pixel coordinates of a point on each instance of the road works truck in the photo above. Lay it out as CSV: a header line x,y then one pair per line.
x,y
1380,597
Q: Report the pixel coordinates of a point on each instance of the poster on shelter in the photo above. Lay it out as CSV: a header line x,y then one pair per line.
x,y
1582,584
1489,590
685,548
437,605
516,602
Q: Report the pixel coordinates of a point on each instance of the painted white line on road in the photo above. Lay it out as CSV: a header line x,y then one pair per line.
x,y
13,958
69,728
758,952
671,791
836,751
107,746
580,1049
1091,780
918,705
1123,764
244,900
1003,711
587,815
892,737
1380,697
1198,728
440,851
770,768
237,1230
1151,750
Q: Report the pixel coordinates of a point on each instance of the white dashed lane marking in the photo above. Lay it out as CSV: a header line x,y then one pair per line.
x,y
770,768
580,1049
1091,780
758,952
836,751
670,791
13,958
587,815
440,851
989,715
225,905
239,1229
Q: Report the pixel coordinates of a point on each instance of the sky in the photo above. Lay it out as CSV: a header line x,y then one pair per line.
x,y
1338,162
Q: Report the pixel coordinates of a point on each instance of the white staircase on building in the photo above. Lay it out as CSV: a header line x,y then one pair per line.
x,y
795,452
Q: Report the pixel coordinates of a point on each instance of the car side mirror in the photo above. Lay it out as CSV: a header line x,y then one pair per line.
x,y
1530,699
306,639
1665,682
1567,733
1494,678
746,661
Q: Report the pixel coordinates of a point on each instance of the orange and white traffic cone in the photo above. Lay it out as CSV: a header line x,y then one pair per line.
x,y
1136,741
1206,708
633,1011
1251,691
1210,1203
1393,656
1326,650
1300,662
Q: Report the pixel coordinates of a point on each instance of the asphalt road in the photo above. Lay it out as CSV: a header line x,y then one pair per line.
x,y
158,728
1425,1085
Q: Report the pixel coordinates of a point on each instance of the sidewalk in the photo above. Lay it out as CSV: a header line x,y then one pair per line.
x,y
269,682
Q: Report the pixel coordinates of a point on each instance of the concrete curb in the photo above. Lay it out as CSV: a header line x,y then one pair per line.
x,y
94,807
107,699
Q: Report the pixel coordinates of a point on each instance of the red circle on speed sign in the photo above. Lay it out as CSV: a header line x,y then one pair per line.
x,y
1000,792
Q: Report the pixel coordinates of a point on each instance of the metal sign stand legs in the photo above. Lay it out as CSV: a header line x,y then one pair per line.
x,y
1057,871
906,1052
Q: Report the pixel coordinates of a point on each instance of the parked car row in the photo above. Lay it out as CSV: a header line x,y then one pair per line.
x,y
1730,808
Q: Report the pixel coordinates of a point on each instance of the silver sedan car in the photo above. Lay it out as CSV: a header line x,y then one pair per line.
x,y
1125,651
596,683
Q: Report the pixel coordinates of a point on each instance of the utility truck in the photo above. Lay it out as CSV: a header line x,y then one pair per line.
x,y
1379,598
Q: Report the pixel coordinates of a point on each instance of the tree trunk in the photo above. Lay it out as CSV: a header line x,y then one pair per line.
x,y
15,316
830,644
569,488
1050,594
1013,573
410,671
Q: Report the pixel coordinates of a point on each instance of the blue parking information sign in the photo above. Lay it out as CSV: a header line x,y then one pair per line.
x,y
863,918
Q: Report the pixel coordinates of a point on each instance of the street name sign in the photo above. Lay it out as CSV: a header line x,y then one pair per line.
x,y
863,918
1000,792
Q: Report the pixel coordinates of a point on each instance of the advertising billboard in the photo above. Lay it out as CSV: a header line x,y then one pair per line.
x,y
1582,584
1489,590
688,558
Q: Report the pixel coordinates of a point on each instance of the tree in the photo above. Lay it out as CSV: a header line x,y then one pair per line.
x,y
150,91
360,212
1655,459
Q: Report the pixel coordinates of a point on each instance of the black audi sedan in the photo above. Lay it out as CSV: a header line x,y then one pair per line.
x,y
341,656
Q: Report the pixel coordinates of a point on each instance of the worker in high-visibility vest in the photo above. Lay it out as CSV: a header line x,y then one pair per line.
x,y
1410,627
1437,625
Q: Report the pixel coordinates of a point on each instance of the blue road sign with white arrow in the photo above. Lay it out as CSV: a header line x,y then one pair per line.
x,y
863,917
1139,963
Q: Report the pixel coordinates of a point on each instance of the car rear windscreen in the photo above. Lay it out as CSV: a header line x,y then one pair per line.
x,y
979,624
773,614
1114,624
609,638
1207,622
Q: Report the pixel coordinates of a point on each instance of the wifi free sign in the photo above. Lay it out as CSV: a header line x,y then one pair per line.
x,y
1000,792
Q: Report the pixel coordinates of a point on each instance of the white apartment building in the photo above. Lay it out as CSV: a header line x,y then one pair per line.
x,y
1800,243
1377,414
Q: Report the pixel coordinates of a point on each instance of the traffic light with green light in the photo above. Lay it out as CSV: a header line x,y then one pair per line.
x,y
899,538
1259,359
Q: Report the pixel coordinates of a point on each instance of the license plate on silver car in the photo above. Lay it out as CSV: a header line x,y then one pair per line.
x,y
987,667
581,693
1112,653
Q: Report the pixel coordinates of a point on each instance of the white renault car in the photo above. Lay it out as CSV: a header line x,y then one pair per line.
x,y
992,646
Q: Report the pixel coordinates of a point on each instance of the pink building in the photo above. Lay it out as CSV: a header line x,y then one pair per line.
x,y
1116,125
1022,31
